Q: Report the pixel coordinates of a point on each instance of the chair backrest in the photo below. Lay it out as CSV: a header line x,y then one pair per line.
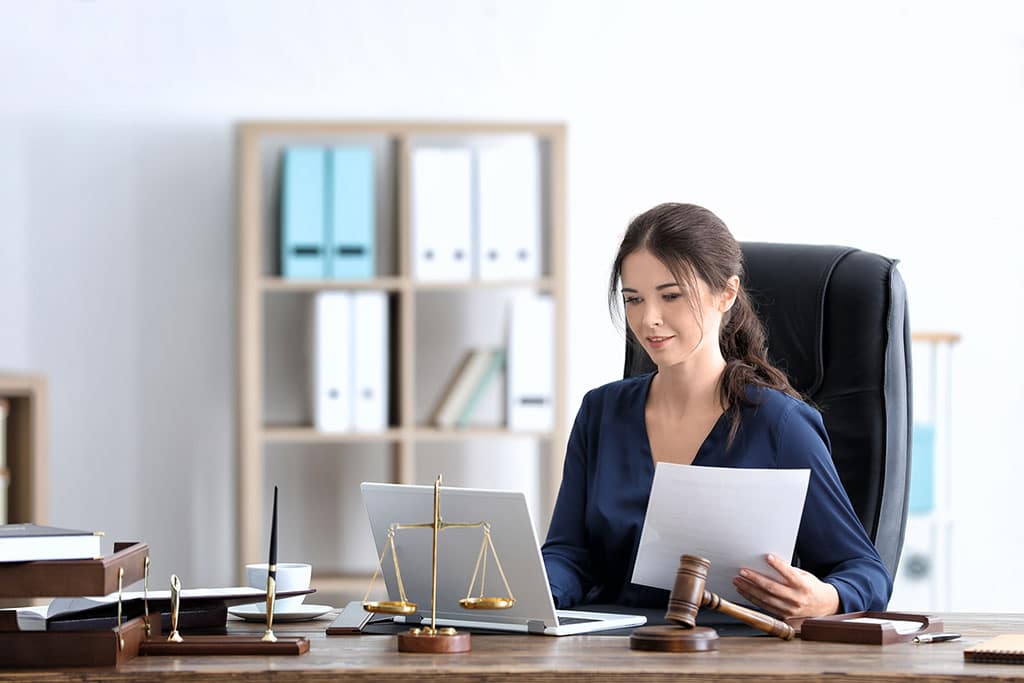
x,y
837,325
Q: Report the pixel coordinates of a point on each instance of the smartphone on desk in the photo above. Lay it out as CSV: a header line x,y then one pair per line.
x,y
350,620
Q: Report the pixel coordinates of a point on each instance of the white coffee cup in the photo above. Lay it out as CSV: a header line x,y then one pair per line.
x,y
291,576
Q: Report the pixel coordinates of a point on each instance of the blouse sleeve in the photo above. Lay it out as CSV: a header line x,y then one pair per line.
x,y
566,557
831,542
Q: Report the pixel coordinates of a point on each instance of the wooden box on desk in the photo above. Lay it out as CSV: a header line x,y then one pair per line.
x,y
58,578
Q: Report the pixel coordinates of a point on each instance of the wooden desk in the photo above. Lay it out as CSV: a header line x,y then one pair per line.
x,y
576,658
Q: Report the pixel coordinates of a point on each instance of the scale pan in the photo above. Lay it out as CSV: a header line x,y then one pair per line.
x,y
390,607
486,603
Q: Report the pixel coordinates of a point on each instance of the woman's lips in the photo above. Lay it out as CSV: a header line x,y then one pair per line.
x,y
658,342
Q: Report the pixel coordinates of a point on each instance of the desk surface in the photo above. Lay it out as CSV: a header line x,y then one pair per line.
x,y
576,658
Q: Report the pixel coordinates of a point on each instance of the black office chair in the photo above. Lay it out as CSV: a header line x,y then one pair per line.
x,y
837,325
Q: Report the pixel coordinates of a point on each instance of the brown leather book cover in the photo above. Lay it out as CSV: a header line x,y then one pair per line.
x,y
1004,649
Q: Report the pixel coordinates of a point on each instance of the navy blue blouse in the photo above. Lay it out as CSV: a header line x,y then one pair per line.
x,y
595,529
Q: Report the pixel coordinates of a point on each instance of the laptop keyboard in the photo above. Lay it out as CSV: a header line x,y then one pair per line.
x,y
566,621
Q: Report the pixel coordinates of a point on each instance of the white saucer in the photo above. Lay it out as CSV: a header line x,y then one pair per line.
x,y
303,612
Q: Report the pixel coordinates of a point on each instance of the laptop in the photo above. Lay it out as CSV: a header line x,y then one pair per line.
x,y
457,552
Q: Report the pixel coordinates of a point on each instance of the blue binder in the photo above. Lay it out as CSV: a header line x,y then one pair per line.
x,y
351,223
922,470
302,213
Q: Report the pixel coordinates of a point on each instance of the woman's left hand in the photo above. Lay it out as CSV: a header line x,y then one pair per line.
x,y
799,594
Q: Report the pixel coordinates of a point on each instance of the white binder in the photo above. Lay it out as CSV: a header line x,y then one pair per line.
x,y
370,361
531,363
509,204
442,213
332,364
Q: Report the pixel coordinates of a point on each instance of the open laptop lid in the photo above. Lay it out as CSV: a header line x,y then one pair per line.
x,y
458,549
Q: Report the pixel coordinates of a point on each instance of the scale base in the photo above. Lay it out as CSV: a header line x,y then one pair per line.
x,y
674,639
430,641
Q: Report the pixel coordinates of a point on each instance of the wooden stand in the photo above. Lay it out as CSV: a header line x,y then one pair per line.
x,y
225,645
674,639
442,641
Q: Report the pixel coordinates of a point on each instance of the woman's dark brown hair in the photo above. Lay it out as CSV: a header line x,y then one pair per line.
x,y
694,243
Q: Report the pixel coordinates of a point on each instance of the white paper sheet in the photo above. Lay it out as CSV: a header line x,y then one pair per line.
x,y
731,516
902,627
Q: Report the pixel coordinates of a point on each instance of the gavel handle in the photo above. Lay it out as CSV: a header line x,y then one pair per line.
x,y
761,622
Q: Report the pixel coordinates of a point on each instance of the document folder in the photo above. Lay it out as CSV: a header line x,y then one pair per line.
x,y
370,363
508,189
332,365
302,213
352,224
442,213
531,363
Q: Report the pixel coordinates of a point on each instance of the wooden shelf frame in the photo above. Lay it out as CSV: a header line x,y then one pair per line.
x,y
255,285
26,446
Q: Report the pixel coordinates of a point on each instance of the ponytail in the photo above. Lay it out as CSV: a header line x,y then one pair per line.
x,y
745,349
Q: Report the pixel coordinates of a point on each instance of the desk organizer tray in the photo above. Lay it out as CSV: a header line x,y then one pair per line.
x,y
72,578
868,628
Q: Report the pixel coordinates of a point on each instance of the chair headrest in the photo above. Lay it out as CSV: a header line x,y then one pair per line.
x,y
787,285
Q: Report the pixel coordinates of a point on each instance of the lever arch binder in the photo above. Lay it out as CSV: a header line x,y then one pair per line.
x,y
332,361
351,228
531,359
302,213
369,361
442,213
509,209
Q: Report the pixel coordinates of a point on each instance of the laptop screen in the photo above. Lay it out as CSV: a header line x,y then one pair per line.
x,y
458,550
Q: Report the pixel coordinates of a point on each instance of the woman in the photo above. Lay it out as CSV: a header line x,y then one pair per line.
x,y
714,400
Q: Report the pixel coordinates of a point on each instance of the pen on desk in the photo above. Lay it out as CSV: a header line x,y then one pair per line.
x,y
935,637
272,574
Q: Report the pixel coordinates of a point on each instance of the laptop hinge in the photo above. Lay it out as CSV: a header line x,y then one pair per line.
x,y
535,626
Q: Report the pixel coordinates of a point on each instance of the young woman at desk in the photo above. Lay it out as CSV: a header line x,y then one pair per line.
x,y
715,400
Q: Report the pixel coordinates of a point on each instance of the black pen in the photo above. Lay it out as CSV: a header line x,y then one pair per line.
x,y
935,637
272,575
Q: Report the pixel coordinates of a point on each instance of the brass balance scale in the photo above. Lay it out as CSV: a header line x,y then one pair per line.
x,y
431,639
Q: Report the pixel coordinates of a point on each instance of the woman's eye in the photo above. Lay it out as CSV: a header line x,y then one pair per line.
x,y
631,300
671,297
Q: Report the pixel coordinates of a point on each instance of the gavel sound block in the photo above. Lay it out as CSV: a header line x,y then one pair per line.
x,y
688,595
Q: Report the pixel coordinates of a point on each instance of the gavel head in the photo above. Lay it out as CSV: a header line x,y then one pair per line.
x,y
688,592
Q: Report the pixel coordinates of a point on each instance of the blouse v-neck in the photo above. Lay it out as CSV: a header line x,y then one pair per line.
x,y
709,445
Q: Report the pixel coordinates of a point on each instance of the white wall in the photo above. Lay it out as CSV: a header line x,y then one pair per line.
x,y
893,126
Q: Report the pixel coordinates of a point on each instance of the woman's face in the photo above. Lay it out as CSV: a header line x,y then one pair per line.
x,y
672,322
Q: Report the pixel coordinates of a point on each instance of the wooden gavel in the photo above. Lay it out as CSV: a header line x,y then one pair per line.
x,y
689,595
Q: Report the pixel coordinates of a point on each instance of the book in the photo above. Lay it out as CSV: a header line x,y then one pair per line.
x,y
465,378
1005,649
28,542
494,365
